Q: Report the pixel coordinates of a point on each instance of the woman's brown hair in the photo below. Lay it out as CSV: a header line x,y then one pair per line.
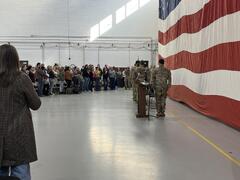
x,y
9,65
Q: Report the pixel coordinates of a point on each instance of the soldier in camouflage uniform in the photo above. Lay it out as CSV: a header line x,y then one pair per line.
x,y
152,68
141,74
161,81
147,74
127,79
133,79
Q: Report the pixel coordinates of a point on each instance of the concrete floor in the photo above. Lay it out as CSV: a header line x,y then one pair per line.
x,y
97,137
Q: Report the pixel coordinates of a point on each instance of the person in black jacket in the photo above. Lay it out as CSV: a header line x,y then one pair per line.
x,y
85,73
40,79
105,77
31,73
52,78
90,74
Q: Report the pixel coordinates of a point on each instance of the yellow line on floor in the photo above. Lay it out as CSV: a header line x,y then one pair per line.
x,y
216,147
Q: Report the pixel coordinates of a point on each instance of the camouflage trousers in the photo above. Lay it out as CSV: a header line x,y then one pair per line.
x,y
135,92
161,98
127,83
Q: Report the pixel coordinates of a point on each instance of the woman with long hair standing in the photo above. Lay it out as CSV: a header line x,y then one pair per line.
x,y
17,97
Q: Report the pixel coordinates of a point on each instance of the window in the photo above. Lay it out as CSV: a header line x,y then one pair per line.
x,y
132,6
94,32
120,14
143,2
105,24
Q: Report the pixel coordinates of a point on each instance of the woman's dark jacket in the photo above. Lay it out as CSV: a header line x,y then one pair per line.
x,y
17,140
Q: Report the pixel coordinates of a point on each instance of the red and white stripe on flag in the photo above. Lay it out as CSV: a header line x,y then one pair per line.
x,y
200,42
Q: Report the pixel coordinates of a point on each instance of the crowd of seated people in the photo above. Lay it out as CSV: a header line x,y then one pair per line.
x,y
67,80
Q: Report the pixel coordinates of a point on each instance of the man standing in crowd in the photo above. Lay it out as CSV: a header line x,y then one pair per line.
x,y
97,77
40,79
68,76
61,79
46,84
112,78
161,82
90,73
52,78
127,78
105,77
119,78
85,73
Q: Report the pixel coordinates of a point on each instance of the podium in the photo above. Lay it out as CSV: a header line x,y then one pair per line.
x,y
142,100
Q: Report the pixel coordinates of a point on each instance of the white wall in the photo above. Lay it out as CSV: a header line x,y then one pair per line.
x,y
49,17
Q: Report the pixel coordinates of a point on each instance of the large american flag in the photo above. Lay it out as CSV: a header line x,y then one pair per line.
x,y
200,41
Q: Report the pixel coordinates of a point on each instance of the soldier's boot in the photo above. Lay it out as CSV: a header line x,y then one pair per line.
x,y
158,115
159,112
162,112
158,107
163,106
